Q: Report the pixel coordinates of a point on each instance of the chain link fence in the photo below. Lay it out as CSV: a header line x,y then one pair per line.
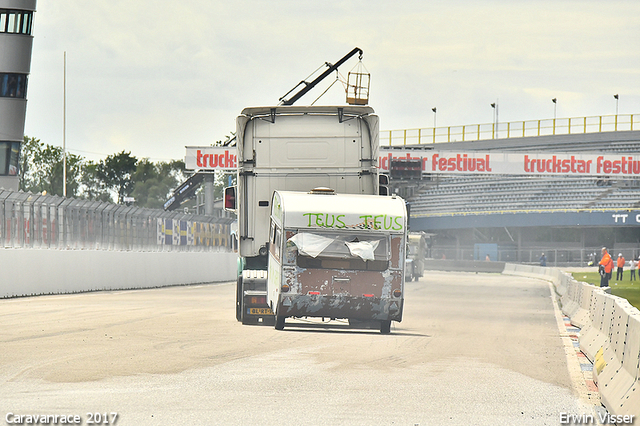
x,y
51,222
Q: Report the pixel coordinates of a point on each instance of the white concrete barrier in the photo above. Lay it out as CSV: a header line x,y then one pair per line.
x,y
570,302
630,402
614,379
590,334
27,272
609,336
581,316
561,281
593,338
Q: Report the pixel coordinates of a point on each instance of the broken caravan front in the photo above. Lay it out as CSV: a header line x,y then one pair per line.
x,y
337,256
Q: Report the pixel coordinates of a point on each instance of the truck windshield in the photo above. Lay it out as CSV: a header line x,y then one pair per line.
x,y
339,251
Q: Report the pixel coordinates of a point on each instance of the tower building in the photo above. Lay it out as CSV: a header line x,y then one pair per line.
x,y
16,41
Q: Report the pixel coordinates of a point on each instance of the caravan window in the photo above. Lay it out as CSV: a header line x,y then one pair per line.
x,y
274,240
352,251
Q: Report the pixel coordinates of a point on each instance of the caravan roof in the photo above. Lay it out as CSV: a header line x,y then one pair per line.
x,y
339,211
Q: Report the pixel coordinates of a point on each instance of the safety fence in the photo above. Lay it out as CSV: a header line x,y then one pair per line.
x,y
552,256
514,129
609,336
30,220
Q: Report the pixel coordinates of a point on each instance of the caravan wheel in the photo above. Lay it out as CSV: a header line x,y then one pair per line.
x,y
280,323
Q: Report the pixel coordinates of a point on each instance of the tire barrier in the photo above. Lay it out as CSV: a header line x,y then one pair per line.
x,y
609,335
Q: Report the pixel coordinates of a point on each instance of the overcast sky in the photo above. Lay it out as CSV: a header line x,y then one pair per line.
x,y
151,77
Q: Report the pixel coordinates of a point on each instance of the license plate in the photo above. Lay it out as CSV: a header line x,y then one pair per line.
x,y
260,311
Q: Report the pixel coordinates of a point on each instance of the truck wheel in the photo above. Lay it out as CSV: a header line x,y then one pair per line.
x,y
385,327
280,323
239,299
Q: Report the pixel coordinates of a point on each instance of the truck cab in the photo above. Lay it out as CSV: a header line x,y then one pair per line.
x,y
293,148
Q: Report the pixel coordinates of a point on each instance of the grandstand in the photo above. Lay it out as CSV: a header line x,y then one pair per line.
x,y
482,194
566,217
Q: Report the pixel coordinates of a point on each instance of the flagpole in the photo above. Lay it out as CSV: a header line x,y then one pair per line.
x,y
64,129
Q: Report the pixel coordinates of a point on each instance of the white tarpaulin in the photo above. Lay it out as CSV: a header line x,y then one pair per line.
x,y
310,244
363,249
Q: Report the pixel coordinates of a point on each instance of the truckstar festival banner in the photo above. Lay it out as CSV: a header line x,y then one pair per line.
x,y
517,163
211,158
462,162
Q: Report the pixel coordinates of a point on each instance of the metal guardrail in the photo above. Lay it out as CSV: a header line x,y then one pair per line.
x,y
51,222
417,213
513,129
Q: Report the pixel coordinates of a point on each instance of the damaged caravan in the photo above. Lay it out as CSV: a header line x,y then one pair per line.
x,y
337,256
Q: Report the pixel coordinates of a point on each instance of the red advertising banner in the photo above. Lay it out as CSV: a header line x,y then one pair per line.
x,y
211,158
461,162
517,163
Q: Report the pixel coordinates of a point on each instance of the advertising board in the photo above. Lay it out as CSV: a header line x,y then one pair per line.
x,y
462,162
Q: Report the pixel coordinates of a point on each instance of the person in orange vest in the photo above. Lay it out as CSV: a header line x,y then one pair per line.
x,y
606,266
620,264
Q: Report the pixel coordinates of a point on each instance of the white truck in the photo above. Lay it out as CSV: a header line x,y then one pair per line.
x,y
416,255
293,148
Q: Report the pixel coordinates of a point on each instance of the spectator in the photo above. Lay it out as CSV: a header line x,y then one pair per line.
x,y
605,268
633,265
621,262
543,260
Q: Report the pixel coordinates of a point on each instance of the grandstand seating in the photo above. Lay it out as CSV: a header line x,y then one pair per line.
x,y
480,194
468,194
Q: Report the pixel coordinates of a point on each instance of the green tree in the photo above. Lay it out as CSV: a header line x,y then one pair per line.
x,y
116,172
149,183
26,172
42,168
92,187
154,182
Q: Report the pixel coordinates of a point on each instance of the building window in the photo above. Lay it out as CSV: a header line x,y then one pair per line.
x,y
9,158
13,85
16,21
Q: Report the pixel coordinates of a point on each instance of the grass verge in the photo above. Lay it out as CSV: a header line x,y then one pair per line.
x,y
626,288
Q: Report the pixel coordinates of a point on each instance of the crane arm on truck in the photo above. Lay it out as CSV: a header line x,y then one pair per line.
x,y
307,86
185,191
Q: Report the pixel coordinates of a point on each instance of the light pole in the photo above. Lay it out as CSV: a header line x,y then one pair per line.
x,y
616,98
554,100
434,109
495,120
